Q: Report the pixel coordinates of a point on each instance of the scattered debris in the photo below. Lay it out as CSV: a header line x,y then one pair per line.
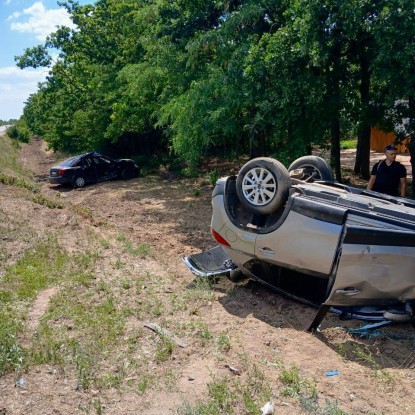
x,y
234,370
190,378
21,383
163,332
334,372
268,409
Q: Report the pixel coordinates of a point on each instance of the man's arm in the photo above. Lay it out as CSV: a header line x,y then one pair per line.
x,y
371,182
402,185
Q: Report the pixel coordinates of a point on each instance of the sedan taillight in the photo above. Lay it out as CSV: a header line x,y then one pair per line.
x,y
61,172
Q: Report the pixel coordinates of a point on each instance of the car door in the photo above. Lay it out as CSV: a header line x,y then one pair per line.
x,y
307,240
88,169
376,266
106,169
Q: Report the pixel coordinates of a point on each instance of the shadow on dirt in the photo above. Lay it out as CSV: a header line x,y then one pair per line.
x,y
391,346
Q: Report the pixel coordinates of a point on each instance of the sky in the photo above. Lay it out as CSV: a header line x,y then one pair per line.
x,y
24,24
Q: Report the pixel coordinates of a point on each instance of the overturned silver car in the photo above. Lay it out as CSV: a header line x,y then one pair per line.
x,y
296,230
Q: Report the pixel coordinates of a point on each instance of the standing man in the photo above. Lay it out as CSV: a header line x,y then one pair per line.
x,y
411,148
388,175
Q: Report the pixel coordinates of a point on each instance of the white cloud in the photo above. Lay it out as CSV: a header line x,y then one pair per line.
x,y
15,87
38,20
14,73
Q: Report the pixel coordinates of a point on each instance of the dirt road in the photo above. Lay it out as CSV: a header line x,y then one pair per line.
x,y
375,376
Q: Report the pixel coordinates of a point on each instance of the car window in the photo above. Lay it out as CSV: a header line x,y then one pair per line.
x,y
87,162
71,162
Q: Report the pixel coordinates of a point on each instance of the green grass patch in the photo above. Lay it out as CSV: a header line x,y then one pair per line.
x,y
40,267
17,182
9,151
348,144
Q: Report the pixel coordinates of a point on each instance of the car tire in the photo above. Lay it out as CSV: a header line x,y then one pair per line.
x,y
316,168
79,181
262,185
127,173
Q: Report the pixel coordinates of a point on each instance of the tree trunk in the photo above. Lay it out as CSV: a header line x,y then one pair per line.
x,y
334,82
362,160
335,148
257,147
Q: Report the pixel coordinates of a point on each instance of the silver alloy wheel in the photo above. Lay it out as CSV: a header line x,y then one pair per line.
x,y
259,186
80,182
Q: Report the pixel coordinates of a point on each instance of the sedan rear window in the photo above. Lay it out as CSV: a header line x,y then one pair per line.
x,y
70,162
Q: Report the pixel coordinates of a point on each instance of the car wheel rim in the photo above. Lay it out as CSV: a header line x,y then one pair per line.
x,y
259,186
80,181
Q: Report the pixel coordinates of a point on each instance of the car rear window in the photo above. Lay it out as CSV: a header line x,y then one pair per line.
x,y
70,162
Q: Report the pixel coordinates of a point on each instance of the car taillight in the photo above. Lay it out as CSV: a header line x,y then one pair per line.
x,y
61,172
219,238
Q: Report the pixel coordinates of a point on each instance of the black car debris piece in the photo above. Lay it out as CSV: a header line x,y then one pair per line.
x,y
296,230
92,167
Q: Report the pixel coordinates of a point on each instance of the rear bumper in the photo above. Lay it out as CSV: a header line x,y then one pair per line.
x,y
59,180
215,261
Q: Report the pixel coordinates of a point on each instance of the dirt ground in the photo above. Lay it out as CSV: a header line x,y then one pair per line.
x,y
174,220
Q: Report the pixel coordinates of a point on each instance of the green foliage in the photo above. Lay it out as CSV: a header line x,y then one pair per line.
x,y
255,77
17,181
348,144
19,131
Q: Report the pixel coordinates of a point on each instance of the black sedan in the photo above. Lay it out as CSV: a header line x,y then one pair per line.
x,y
92,167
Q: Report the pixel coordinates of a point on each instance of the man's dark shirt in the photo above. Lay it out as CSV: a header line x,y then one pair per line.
x,y
388,177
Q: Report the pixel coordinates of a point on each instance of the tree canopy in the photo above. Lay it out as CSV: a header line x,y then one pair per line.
x,y
257,77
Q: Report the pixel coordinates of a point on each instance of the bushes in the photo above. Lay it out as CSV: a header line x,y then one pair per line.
x,y
19,132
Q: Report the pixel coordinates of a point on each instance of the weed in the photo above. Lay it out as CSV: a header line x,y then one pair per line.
x,y
104,243
384,376
223,342
221,394
121,237
329,408
178,303
213,177
201,330
200,289
42,200
86,259
164,349
17,182
125,284
119,264
142,250
365,355
85,369
294,385
190,172
11,354
97,406
196,192
145,382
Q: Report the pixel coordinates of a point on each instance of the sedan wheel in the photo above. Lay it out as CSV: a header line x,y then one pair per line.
x,y
262,185
128,173
79,181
